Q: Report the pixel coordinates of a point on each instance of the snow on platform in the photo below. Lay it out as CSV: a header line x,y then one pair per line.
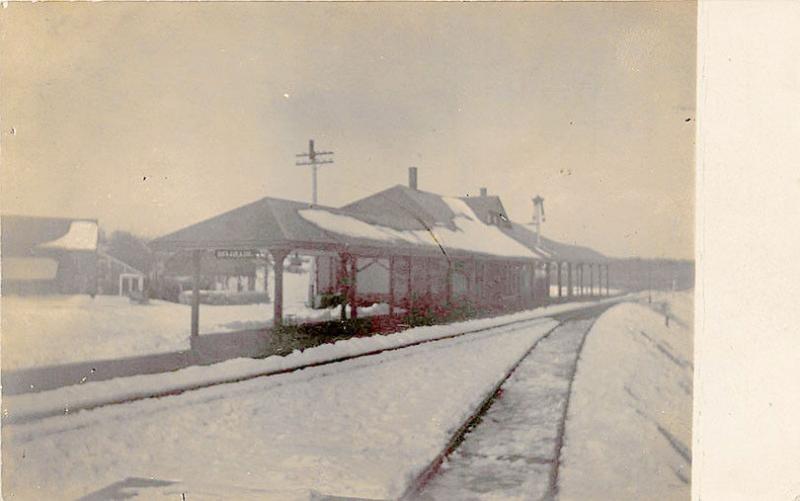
x,y
362,428
628,432
512,452
51,330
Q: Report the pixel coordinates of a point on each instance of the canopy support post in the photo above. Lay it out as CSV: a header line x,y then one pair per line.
x,y
570,290
547,279
351,291
278,255
196,255
448,286
392,271
560,285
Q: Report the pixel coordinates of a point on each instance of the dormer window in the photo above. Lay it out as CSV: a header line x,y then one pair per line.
x,y
498,219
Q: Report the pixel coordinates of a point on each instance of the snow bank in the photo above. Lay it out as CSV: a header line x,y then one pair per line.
x,y
16,407
362,428
628,432
50,330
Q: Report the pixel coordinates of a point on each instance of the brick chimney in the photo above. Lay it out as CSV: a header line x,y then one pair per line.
x,y
412,178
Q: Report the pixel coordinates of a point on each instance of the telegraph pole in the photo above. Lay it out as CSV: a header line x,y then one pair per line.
x,y
538,217
314,161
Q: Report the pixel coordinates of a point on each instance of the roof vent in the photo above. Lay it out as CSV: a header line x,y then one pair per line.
x,y
412,178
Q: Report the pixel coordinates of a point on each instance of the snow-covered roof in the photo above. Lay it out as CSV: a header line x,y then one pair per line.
x,y
82,235
465,232
398,220
30,236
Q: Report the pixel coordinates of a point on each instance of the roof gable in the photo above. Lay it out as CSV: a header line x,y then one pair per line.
x,y
404,208
484,207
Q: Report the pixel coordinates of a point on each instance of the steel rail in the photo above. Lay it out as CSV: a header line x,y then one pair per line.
x,y
424,477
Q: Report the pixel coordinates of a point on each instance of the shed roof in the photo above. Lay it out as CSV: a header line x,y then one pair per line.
x,y
269,222
551,248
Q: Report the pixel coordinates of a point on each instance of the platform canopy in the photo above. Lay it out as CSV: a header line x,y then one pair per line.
x,y
395,224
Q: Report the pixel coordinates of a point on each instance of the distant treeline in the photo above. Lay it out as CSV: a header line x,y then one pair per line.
x,y
642,274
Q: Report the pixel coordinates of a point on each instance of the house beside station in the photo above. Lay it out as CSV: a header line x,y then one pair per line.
x,y
48,255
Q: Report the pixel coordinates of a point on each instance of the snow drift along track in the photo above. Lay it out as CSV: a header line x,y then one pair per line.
x,y
24,416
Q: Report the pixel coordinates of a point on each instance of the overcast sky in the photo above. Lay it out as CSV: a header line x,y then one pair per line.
x,y
152,116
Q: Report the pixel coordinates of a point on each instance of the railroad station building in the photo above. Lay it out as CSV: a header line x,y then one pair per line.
x,y
399,246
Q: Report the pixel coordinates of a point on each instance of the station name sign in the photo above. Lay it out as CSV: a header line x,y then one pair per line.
x,y
239,254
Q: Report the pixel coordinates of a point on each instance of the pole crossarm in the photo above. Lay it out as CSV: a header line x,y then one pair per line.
x,y
315,162
315,153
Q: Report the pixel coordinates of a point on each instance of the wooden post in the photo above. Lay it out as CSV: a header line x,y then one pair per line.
x,y
586,281
599,279
560,292
608,281
351,292
547,279
599,282
472,280
600,269
531,270
480,280
448,286
409,289
589,285
332,274
391,284
342,285
580,279
569,280
266,276
196,255
428,279
278,255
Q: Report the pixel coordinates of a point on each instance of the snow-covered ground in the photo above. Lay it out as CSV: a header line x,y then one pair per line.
x,y
362,428
70,398
49,330
628,432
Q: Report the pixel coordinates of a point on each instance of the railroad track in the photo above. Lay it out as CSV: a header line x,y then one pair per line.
x,y
562,317
416,489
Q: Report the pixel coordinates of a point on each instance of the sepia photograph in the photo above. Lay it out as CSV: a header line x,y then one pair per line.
x,y
348,251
